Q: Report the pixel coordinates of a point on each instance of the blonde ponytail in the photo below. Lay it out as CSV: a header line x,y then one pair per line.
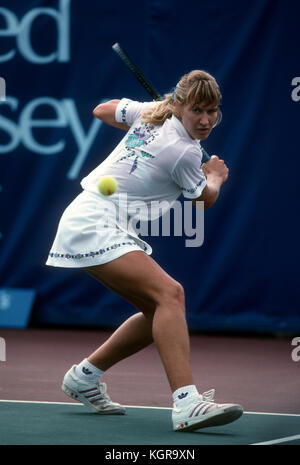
x,y
158,113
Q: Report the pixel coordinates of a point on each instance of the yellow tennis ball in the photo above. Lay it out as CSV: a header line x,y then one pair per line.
x,y
107,185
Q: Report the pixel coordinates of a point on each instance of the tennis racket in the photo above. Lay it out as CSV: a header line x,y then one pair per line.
x,y
144,81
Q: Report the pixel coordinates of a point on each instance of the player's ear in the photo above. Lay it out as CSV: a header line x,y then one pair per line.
x,y
219,118
177,109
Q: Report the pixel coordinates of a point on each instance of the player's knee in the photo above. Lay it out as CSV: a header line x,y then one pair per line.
x,y
168,297
178,293
173,296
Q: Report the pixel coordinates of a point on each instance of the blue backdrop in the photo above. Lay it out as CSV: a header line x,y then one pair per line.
x,y
57,61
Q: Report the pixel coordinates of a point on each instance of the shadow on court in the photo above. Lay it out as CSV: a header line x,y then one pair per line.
x,y
27,423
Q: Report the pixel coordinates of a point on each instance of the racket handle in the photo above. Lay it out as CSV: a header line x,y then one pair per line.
x,y
205,156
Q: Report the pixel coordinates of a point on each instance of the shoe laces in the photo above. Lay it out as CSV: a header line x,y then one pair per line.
x,y
102,389
101,397
209,395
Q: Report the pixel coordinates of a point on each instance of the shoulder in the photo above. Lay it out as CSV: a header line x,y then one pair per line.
x,y
189,156
129,110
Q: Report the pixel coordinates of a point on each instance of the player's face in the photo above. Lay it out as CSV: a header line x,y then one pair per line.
x,y
197,121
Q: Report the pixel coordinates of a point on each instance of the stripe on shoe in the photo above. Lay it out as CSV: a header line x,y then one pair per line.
x,y
89,390
94,397
93,401
201,404
207,409
202,408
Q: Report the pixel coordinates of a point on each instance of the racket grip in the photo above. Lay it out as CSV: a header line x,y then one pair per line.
x,y
205,156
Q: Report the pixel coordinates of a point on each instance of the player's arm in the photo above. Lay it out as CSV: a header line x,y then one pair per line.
x,y
216,173
106,113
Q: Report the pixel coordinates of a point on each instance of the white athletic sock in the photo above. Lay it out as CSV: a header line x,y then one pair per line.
x,y
88,372
184,395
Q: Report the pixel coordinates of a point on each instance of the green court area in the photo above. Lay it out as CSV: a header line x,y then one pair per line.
x,y
42,423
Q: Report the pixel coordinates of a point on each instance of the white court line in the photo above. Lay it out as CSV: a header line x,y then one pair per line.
x,y
135,406
270,413
38,402
276,441
78,404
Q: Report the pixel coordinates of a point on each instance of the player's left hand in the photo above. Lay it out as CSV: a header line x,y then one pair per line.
x,y
216,168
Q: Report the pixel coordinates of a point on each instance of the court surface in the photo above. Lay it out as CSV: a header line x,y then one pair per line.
x,y
256,372
42,423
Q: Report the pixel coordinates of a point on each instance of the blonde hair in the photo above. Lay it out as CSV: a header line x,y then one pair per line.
x,y
196,88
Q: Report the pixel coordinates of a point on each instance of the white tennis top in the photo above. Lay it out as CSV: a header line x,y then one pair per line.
x,y
151,163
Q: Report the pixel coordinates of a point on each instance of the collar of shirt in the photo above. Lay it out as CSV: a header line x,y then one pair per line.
x,y
182,131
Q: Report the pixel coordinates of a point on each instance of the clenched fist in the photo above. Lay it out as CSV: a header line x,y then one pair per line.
x,y
216,169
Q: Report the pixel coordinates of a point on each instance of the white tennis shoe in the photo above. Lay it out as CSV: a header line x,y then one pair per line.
x,y
91,394
203,412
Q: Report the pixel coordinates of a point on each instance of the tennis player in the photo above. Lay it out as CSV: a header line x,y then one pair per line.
x,y
158,159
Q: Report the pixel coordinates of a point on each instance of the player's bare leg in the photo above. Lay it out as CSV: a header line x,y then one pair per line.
x,y
141,280
132,336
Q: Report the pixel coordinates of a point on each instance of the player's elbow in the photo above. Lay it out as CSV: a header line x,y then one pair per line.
x,y
208,198
100,111
106,111
97,111
206,203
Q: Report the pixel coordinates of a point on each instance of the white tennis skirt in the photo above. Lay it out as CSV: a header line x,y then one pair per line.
x,y
88,235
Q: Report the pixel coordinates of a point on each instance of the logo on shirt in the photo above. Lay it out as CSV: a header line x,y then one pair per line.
x,y
141,136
